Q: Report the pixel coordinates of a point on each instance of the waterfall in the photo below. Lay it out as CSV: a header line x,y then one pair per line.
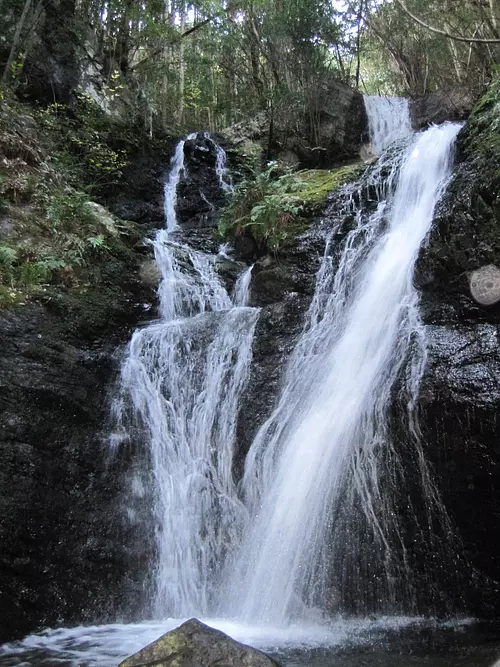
x,y
221,169
322,475
241,289
180,384
170,190
389,120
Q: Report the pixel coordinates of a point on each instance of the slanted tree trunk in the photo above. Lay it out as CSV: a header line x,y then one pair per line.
x,y
16,42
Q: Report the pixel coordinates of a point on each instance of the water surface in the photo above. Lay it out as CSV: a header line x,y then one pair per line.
x,y
394,642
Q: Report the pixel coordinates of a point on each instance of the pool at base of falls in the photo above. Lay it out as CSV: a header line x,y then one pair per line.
x,y
382,642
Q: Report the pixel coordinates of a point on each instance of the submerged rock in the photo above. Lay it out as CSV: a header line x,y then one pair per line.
x,y
194,644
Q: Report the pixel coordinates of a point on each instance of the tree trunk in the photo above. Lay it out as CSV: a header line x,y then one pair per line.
x,y
182,65
358,42
16,42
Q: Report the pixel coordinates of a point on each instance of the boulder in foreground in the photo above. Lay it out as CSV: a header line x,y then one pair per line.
x,y
194,644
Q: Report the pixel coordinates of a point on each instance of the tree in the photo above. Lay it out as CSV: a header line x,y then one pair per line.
x,y
432,44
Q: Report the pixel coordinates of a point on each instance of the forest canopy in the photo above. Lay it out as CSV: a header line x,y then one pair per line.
x,y
214,62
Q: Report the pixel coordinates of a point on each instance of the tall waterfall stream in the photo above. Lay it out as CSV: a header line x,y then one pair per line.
x,y
312,529
182,378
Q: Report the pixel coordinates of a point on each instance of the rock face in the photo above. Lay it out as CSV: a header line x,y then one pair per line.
x,y
440,106
195,644
331,133
63,540
53,66
200,195
460,396
140,198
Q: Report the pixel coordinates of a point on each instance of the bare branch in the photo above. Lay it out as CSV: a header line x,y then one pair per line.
x,y
444,33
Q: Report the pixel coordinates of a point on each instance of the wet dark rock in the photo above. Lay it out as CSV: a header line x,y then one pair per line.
x,y
194,644
460,395
282,287
440,106
199,194
62,552
139,197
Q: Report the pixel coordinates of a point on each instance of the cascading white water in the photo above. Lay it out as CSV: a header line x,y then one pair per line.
x,y
320,473
221,169
181,380
170,189
389,120
241,289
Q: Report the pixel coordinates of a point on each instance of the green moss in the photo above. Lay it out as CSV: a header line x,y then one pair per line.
x,y
480,139
274,208
314,185
53,236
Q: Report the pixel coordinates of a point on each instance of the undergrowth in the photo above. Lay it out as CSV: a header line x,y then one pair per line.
x,y
275,206
51,233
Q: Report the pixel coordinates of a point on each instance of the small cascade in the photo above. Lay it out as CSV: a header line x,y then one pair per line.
x,y
180,384
322,477
388,120
241,289
221,168
170,189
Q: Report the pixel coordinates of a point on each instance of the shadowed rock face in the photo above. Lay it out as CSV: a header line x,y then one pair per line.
x,y
194,644
440,106
140,196
460,396
329,134
62,538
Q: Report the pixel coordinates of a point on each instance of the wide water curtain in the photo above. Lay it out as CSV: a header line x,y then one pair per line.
x,y
181,381
322,475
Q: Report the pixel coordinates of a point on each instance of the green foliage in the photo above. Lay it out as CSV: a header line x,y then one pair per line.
x,y
480,139
58,239
8,257
275,205
68,209
81,137
401,55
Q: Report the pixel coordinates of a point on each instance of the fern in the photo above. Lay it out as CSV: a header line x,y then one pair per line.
x,y
97,242
8,256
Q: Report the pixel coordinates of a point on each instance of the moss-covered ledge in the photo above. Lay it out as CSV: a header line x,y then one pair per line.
x,y
273,208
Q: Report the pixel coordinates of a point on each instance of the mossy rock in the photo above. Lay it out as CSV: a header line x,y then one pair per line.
x,y
195,644
319,184
275,211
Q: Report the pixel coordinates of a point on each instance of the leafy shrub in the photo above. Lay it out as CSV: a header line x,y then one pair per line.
x,y
68,210
8,256
82,141
274,205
